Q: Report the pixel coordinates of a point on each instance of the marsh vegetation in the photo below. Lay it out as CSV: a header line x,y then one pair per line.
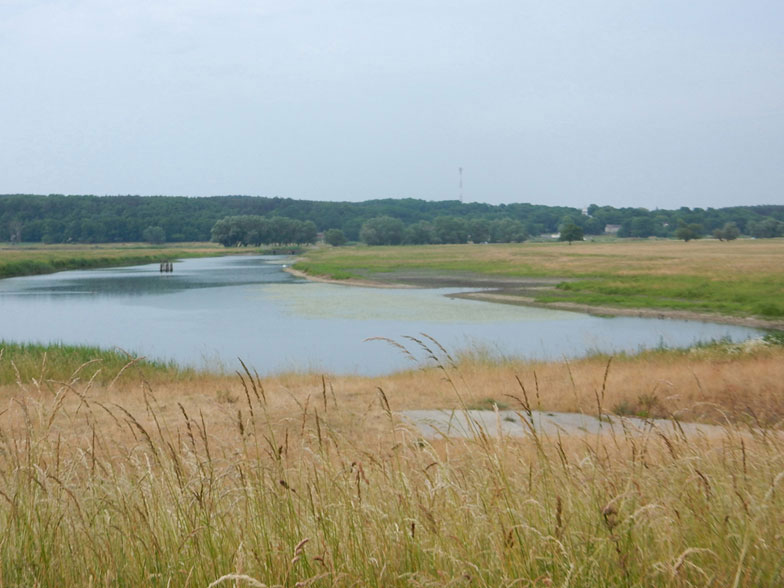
x,y
740,278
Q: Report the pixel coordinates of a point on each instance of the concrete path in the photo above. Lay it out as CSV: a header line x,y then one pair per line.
x,y
434,424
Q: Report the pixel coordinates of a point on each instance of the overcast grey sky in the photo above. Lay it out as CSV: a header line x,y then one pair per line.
x,y
655,103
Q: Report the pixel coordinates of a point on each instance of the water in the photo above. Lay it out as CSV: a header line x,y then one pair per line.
x,y
211,311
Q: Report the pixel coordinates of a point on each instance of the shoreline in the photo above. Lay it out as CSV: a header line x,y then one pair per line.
x,y
494,292
347,282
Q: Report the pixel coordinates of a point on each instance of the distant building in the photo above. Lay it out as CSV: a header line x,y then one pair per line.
x,y
611,229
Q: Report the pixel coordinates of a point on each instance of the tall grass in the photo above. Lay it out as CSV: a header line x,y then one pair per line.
x,y
24,362
148,491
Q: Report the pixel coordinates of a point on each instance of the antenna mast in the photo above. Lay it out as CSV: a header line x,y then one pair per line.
x,y
460,172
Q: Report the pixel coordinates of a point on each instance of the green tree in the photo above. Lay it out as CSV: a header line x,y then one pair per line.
x,y
154,234
335,237
420,233
451,229
382,230
305,231
507,230
479,230
766,229
641,227
687,232
730,232
570,232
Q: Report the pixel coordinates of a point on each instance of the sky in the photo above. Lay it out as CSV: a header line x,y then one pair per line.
x,y
651,103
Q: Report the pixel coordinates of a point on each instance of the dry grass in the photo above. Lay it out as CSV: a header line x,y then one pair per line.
x,y
706,384
650,257
310,481
741,383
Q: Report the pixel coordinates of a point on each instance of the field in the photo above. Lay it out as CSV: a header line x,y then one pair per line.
x,y
115,470
743,278
28,259
162,477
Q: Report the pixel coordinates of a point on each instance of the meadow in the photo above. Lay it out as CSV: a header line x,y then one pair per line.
x,y
739,278
118,470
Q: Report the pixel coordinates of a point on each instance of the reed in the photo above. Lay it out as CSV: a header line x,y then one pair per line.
x,y
302,480
24,362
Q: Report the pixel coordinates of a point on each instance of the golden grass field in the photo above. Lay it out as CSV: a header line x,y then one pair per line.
x,y
310,480
135,474
657,257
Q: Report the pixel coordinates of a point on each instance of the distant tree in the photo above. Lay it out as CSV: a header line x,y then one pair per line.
x,y
335,237
154,234
221,233
382,230
638,226
15,231
570,232
81,219
594,226
690,231
766,229
305,232
451,229
351,228
420,233
282,230
730,232
507,230
256,230
479,230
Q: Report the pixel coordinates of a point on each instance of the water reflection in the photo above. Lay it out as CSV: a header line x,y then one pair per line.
x,y
147,279
209,312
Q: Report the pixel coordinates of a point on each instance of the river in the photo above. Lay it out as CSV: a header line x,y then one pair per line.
x,y
210,311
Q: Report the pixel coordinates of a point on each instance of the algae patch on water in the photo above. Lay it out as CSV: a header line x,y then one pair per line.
x,y
328,301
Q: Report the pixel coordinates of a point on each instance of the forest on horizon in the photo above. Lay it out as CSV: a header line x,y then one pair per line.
x,y
58,218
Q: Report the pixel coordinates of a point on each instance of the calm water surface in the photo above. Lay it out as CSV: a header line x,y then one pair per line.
x,y
209,312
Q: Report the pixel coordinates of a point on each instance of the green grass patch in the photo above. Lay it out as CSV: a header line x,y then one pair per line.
x,y
61,363
325,270
362,261
750,296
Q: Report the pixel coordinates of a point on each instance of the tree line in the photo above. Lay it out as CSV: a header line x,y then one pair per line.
x,y
92,219
257,230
